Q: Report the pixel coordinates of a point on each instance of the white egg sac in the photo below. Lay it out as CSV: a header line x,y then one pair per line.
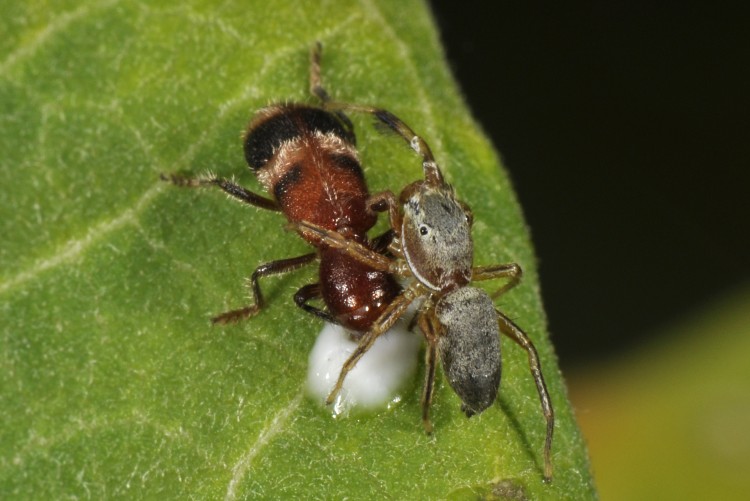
x,y
375,380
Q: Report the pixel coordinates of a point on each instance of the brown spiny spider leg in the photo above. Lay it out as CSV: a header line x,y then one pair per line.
x,y
495,271
394,311
514,332
427,323
317,89
264,270
354,249
432,173
234,190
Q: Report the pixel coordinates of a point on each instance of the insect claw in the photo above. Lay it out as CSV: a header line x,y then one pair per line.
x,y
331,396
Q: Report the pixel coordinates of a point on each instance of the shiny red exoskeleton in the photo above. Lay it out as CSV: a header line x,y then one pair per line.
x,y
305,157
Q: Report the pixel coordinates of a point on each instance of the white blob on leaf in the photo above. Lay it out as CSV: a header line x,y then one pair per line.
x,y
375,380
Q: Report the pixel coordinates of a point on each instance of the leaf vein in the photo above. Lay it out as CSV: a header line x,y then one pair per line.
x,y
59,23
276,426
76,247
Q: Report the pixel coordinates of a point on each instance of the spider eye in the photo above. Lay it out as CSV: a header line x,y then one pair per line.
x,y
467,213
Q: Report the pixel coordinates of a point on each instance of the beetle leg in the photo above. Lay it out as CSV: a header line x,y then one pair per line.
x,y
305,294
317,89
264,270
232,189
382,242
386,201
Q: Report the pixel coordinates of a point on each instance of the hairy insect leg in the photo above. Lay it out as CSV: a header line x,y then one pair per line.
x,y
354,249
386,201
380,243
492,272
232,189
431,170
317,89
264,270
514,332
427,325
316,86
305,294
394,311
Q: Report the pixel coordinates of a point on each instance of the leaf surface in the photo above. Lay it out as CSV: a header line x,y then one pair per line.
x,y
113,383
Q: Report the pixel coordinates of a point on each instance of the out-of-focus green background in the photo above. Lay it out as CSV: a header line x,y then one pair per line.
x,y
625,130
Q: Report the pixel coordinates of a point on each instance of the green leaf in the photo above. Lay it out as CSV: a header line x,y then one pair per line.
x,y
113,382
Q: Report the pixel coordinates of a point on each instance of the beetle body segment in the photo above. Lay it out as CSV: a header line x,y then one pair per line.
x,y
306,158
274,125
355,293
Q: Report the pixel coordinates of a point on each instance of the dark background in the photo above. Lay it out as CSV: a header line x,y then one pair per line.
x,y
625,130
